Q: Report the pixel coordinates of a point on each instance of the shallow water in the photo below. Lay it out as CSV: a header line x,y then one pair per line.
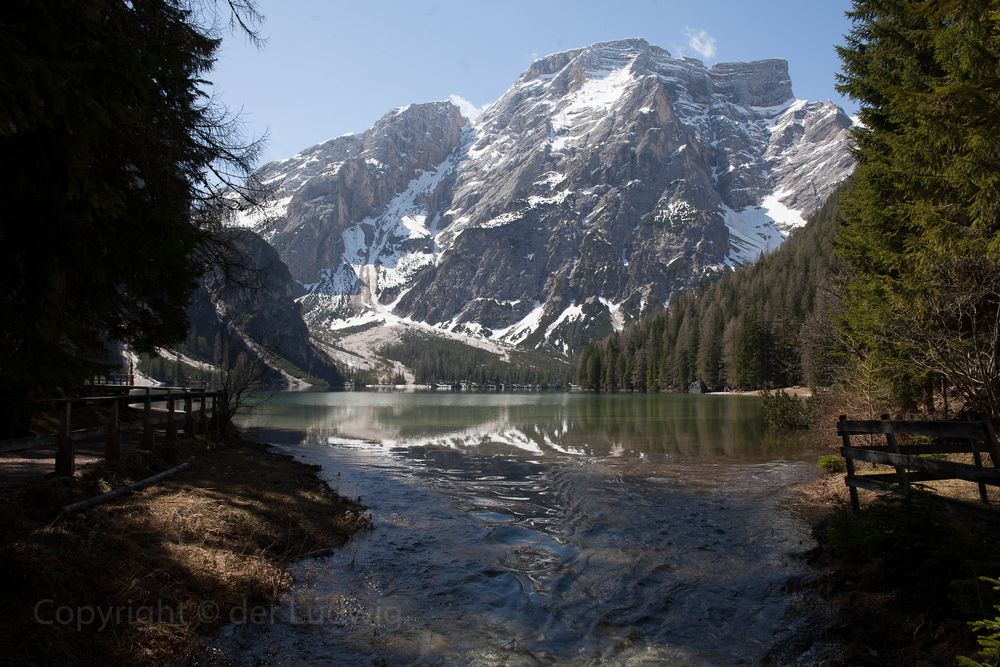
x,y
540,528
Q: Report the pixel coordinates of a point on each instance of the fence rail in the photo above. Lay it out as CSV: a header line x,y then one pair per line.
x,y
209,415
910,459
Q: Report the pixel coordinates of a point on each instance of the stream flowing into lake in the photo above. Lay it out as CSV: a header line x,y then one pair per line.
x,y
541,528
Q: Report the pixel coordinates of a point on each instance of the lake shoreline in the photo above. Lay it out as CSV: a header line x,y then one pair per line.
x,y
638,514
898,581
801,392
149,578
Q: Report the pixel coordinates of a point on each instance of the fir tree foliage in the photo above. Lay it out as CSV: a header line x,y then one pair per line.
x,y
921,229
117,169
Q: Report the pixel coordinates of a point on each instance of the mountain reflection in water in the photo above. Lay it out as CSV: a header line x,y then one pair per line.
x,y
703,428
540,528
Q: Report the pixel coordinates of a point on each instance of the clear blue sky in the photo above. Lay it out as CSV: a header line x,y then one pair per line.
x,y
336,66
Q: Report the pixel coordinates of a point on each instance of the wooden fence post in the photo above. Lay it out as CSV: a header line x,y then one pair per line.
x,y
202,417
849,462
113,445
188,417
213,421
171,424
147,422
217,410
978,460
991,444
65,463
224,411
904,480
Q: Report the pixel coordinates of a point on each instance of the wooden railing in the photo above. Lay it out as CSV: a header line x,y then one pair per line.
x,y
114,379
910,459
209,415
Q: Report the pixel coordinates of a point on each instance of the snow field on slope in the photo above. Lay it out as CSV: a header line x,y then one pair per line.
x,y
588,106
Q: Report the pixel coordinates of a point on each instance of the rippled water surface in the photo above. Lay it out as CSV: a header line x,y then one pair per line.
x,y
540,528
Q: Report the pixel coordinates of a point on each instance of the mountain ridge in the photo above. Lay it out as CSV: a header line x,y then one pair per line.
x,y
606,180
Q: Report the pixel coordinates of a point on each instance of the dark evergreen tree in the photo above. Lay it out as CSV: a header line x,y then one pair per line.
x,y
753,353
709,361
612,367
922,224
594,370
114,164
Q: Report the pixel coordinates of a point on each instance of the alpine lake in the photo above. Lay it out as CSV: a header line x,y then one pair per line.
x,y
539,528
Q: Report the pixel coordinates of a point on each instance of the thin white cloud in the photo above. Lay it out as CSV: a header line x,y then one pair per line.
x,y
468,109
700,42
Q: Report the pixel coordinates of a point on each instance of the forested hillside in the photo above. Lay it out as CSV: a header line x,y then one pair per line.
x,y
768,324
438,361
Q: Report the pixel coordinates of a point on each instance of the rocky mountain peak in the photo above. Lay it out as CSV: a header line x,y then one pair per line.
x,y
418,134
603,181
594,57
762,83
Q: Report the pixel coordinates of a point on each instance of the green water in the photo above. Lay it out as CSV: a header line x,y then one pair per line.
x,y
685,427
541,529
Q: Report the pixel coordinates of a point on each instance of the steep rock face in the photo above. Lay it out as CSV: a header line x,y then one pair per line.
x,y
605,179
258,316
336,207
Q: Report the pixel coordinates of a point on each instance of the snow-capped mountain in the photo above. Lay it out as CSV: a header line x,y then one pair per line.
x,y
602,182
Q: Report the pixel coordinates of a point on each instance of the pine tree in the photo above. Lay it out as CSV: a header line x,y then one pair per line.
x,y
583,367
751,358
594,370
611,366
922,224
639,370
112,177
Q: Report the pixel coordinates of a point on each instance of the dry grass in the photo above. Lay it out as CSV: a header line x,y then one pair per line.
x,y
903,579
830,492
189,550
796,390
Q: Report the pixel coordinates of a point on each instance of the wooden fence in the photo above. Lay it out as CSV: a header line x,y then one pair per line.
x,y
137,416
910,459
